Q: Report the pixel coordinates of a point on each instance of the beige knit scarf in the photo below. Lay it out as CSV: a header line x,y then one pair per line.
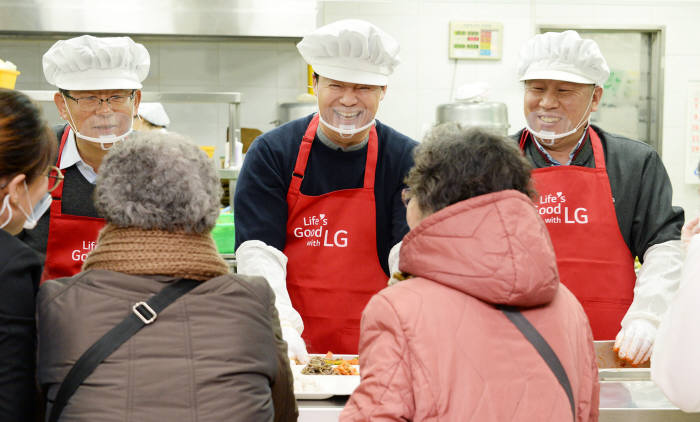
x,y
138,251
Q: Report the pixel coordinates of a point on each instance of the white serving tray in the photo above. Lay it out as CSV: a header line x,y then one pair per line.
x,y
319,387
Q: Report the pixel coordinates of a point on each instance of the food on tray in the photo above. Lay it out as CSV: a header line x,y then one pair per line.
x,y
344,368
329,365
330,359
317,366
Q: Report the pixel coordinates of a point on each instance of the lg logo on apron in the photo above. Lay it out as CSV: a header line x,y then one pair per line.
x,y
79,255
551,208
315,230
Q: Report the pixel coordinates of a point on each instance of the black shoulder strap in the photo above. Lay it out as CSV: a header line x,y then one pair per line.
x,y
543,348
143,313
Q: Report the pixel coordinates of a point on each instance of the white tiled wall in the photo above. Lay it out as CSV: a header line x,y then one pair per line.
x,y
265,72
426,76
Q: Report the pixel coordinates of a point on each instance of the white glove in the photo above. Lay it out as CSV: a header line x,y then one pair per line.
x,y
254,257
656,285
296,348
394,263
690,229
633,343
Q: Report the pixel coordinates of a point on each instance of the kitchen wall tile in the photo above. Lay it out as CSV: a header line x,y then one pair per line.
x,y
198,121
258,107
152,81
26,55
253,65
398,110
680,39
291,68
190,63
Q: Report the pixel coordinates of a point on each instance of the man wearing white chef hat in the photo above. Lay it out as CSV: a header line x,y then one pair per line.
x,y
606,199
99,82
318,200
151,116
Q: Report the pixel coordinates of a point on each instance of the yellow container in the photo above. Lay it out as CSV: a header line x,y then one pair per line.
x,y
8,78
209,150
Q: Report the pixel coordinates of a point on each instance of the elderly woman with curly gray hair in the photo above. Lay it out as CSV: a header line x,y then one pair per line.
x,y
448,342
216,353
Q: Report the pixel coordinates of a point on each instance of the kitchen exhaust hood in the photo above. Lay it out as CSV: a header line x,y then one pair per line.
x,y
223,18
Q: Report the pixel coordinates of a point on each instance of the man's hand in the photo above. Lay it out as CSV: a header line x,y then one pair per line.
x,y
296,348
634,342
690,229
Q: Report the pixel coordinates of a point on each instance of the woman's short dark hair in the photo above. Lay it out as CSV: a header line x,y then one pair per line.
x,y
453,164
27,144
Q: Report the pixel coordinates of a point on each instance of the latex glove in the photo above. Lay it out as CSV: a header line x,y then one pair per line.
x,y
394,263
656,285
634,342
690,229
296,348
254,257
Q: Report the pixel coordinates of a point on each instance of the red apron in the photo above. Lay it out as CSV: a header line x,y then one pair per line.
x,y
333,268
593,259
71,237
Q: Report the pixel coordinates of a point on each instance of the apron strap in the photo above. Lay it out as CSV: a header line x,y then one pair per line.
x,y
303,159
300,165
57,193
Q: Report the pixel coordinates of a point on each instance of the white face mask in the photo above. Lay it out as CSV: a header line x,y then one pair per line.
x,y
115,122
34,213
345,131
6,204
547,137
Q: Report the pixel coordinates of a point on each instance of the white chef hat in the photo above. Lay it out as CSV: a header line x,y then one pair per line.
x,y
352,51
563,56
92,63
154,113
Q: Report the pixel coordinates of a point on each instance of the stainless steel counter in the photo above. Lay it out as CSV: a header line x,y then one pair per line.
x,y
638,401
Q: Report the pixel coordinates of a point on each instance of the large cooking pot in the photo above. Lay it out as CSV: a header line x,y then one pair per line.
x,y
286,112
488,115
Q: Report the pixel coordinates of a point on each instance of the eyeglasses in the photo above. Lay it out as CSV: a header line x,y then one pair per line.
x,y
406,196
55,178
93,103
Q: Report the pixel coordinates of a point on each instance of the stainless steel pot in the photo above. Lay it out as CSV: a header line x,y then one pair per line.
x,y
487,115
287,112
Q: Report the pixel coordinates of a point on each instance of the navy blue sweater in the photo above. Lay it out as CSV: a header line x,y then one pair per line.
x,y
260,201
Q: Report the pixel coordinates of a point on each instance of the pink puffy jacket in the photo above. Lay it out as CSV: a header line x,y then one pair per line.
x,y
435,348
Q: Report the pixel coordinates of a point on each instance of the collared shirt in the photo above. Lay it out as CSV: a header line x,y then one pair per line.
x,y
572,154
71,156
332,145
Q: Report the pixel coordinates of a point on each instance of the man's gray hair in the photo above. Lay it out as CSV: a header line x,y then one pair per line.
x,y
156,180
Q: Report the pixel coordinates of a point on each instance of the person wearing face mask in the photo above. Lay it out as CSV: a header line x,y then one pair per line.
x,y
99,82
605,199
318,200
27,150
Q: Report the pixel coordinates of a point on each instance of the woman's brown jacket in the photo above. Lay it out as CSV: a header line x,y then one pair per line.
x,y
215,354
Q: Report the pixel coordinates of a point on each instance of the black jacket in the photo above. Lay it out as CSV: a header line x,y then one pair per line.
x,y
20,272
